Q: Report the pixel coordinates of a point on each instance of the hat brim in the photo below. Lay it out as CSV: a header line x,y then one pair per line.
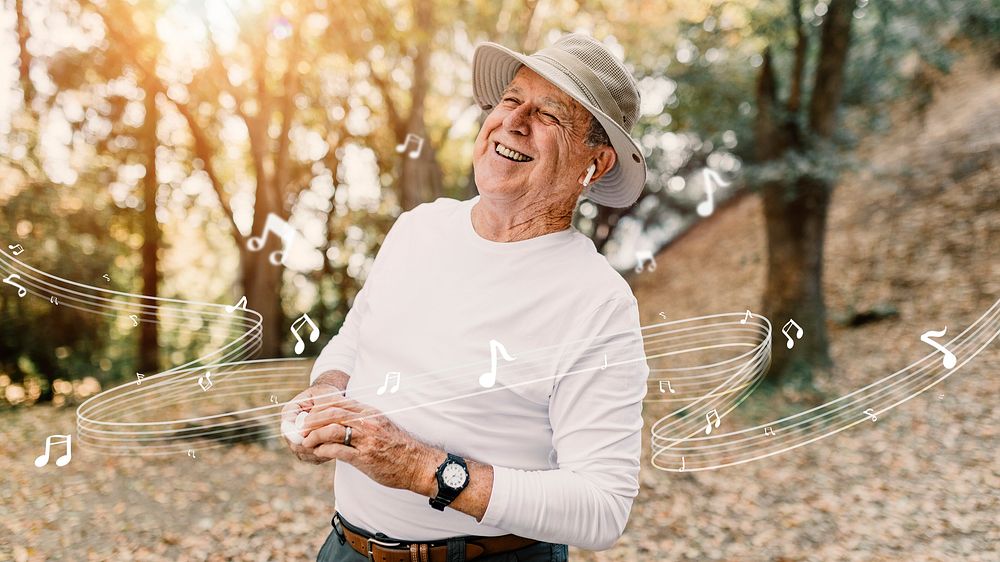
x,y
493,68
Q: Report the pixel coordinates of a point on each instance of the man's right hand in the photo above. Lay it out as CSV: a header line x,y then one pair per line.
x,y
318,393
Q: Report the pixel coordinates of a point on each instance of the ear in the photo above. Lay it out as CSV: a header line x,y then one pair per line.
x,y
604,160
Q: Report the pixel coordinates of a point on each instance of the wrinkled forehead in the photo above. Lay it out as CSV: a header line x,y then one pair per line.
x,y
527,82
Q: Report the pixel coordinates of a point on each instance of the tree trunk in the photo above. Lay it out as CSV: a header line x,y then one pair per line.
x,y
795,222
148,345
795,209
262,286
24,57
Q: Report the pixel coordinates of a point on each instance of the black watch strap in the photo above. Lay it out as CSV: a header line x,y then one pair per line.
x,y
445,493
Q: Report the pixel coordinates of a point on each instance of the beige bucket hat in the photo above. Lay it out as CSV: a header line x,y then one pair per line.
x,y
585,70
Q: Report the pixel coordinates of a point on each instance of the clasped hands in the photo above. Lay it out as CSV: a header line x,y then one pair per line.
x,y
379,448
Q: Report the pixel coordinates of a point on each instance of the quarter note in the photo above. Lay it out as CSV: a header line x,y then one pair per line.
x,y
300,346
949,361
389,376
21,291
419,141
486,380
242,303
56,440
284,231
17,249
798,334
708,416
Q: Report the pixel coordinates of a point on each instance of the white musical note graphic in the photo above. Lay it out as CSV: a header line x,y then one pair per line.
x,y
21,291
419,141
300,346
643,257
17,249
191,453
206,377
706,207
798,334
486,380
135,320
682,464
870,413
949,360
242,303
389,376
54,300
718,420
745,318
670,388
768,428
139,377
284,231
56,440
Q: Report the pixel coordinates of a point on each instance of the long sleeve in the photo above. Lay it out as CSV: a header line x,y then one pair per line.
x,y
341,351
596,418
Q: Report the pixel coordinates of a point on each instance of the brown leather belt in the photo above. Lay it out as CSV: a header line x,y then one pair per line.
x,y
380,549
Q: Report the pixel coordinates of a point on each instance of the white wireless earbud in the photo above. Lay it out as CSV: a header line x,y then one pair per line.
x,y
590,173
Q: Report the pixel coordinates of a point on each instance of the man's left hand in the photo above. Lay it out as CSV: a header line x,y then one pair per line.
x,y
379,448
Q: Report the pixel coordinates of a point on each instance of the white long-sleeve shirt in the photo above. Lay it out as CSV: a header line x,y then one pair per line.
x,y
561,430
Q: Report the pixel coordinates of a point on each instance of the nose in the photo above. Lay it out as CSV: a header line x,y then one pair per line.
x,y
517,120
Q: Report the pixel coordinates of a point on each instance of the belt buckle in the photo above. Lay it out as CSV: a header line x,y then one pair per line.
x,y
386,544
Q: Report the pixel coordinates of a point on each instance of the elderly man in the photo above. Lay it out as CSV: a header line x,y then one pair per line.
x,y
492,367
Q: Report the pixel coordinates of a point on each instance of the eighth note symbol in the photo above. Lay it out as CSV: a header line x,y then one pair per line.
x,y
663,316
242,303
767,429
105,276
798,334
949,359
135,320
276,225
706,207
871,413
21,291
17,249
670,388
274,399
300,346
191,453
486,380
54,300
747,317
140,376
389,376
708,416
416,151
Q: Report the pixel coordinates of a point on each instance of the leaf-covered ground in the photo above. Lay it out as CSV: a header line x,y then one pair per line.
x,y
919,230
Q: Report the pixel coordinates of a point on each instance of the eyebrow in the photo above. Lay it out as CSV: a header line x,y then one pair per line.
x,y
548,100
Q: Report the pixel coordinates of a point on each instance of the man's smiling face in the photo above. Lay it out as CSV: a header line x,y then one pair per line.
x,y
532,143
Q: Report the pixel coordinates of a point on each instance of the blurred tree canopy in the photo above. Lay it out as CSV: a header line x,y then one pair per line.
x,y
149,139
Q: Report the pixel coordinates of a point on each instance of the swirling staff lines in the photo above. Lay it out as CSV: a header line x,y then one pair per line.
x,y
751,370
246,326
738,447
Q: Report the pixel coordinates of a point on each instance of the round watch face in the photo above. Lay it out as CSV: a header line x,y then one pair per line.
x,y
454,476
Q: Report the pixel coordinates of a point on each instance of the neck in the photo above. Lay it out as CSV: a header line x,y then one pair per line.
x,y
512,221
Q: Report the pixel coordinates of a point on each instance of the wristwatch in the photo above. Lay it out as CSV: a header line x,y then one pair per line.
x,y
452,478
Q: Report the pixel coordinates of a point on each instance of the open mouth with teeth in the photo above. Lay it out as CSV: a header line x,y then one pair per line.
x,y
511,154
